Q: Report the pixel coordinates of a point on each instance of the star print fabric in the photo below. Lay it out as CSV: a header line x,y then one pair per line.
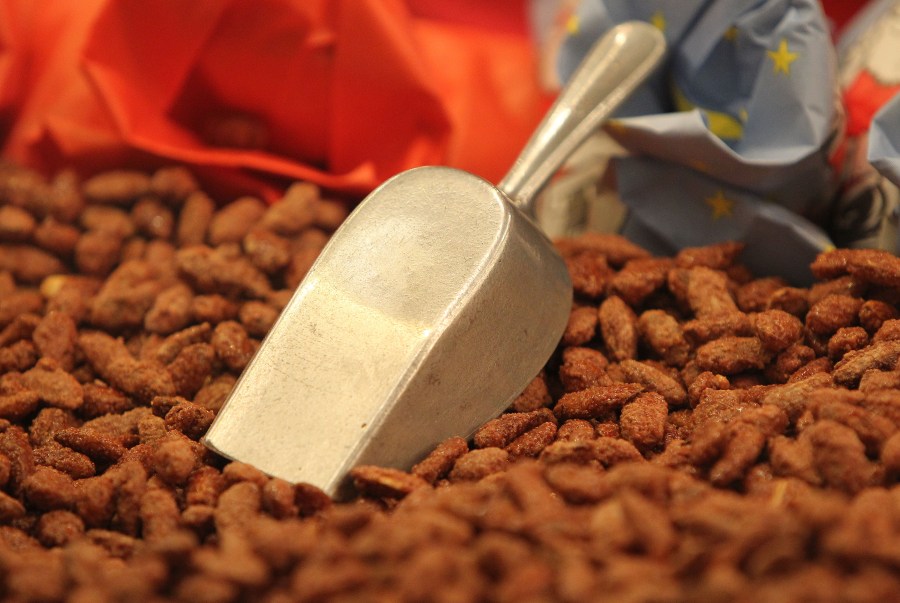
x,y
730,139
884,140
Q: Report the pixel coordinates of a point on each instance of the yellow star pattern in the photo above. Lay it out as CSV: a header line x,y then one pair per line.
x,y
658,20
721,124
573,25
782,58
721,207
731,33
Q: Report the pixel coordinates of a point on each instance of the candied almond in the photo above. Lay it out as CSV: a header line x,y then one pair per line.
x,y
213,271
596,401
581,326
382,482
16,224
701,330
117,187
18,404
881,355
232,345
477,464
55,386
654,379
194,219
18,328
236,471
440,460
257,317
744,445
833,312
238,505
576,430
192,368
873,313
190,419
706,380
708,294
57,528
279,499
872,429
152,218
232,223
10,508
532,442
790,299
662,333
268,251
301,262
499,432
643,420
617,249
294,212
618,324
847,339
754,296
159,514
777,329
173,183
792,398
142,379
534,396
889,330
330,214
97,446
170,311
59,457
639,278
868,265
174,461
717,256
838,455
126,296
875,380
582,368
589,273
56,336
49,489
729,355
29,264
842,285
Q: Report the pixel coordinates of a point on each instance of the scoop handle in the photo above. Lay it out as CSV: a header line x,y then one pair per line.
x,y
615,66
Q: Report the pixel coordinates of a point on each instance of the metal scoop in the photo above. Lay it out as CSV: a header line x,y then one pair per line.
x,y
430,309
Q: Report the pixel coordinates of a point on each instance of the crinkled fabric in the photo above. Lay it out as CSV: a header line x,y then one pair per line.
x,y
730,139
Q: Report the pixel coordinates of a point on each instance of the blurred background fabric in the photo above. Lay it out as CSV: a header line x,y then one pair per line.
x,y
884,140
865,209
731,139
253,93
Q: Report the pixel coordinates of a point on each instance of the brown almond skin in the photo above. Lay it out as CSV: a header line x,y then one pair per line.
x,y
618,324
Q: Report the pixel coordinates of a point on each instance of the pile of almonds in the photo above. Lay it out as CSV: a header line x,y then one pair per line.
x,y
699,435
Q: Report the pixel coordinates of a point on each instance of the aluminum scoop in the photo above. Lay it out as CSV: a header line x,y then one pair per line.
x,y
430,309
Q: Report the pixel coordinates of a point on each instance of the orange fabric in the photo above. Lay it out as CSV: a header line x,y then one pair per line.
x,y
254,93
